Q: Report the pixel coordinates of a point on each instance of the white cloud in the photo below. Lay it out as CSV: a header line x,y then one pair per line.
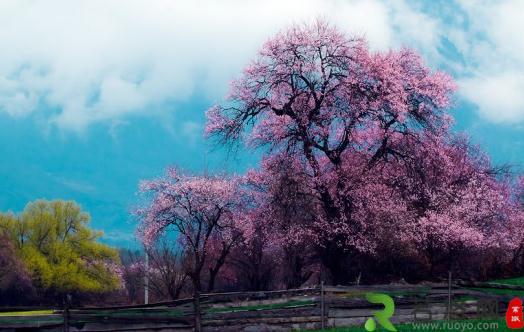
x,y
493,76
192,131
99,60
500,97
73,184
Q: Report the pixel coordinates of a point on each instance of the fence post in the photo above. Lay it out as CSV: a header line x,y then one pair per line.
x,y
66,312
322,305
449,295
197,311
146,279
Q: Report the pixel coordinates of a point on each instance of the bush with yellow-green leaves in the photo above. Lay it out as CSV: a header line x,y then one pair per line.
x,y
59,250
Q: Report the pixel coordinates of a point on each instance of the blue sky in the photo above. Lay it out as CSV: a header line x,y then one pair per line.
x,y
96,95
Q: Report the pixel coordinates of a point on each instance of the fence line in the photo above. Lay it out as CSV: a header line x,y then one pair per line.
x,y
314,307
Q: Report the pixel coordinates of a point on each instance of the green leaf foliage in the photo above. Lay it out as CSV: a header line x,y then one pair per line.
x,y
59,249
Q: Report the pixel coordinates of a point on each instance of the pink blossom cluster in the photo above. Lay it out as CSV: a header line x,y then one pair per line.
x,y
186,202
313,85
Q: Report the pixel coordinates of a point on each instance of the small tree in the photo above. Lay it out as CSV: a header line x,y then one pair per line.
x,y
133,270
165,271
286,208
253,264
202,213
167,277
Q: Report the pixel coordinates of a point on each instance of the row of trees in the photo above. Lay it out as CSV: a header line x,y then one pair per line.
x,y
362,177
263,233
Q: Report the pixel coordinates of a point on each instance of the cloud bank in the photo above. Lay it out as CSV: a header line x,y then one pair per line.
x,y
83,62
494,77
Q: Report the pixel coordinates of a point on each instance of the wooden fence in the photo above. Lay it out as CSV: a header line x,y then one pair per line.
x,y
307,308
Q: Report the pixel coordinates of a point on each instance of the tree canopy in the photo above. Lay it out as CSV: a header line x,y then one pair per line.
x,y
60,251
360,148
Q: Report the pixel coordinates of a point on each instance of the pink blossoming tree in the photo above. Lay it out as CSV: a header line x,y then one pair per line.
x,y
325,99
203,213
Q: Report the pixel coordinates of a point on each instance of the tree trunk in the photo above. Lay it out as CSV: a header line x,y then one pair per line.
x,y
334,259
212,277
295,273
337,272
213,272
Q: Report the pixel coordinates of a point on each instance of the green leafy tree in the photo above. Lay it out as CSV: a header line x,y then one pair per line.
x,y
60,251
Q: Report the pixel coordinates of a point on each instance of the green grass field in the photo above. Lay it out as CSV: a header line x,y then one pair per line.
x,y
289,304
513,281
26,313
473,325
511,292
